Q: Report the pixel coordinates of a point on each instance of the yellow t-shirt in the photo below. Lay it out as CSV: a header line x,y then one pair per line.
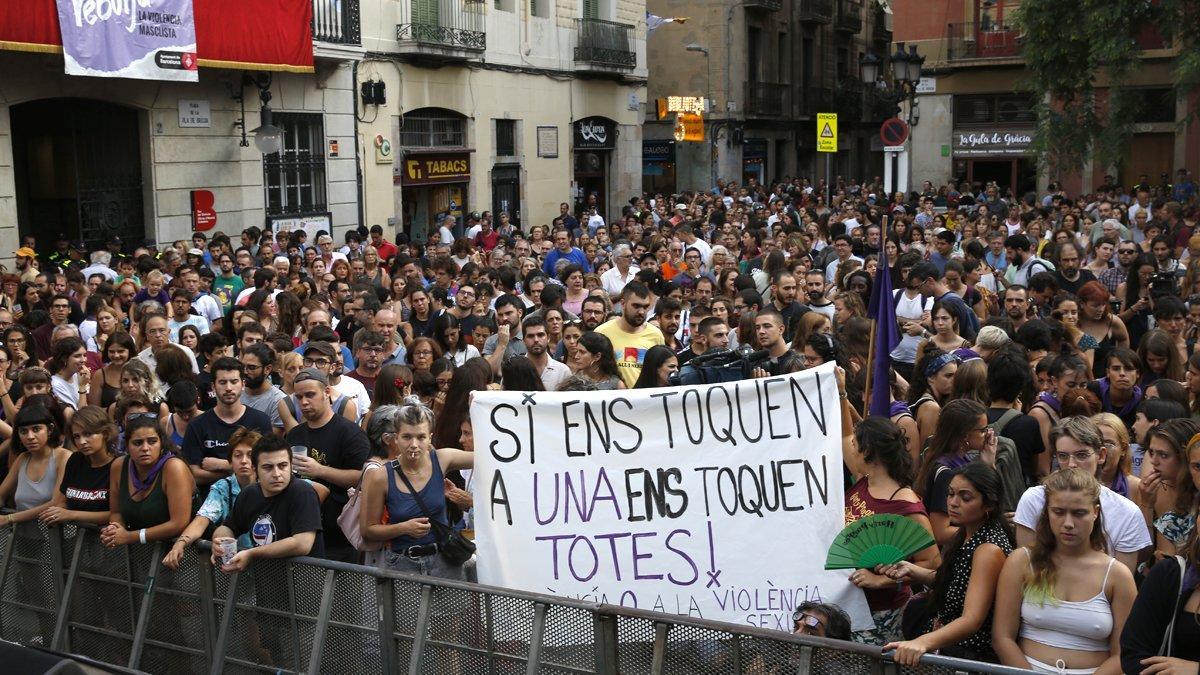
x,y
629,349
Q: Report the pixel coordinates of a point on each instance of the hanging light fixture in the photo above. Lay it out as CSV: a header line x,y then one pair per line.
x,y
869,65
268,138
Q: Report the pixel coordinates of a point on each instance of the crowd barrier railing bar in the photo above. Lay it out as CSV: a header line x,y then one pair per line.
x,y
61,589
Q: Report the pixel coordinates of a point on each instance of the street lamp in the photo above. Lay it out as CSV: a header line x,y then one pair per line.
x,y
870,68
268,138
900,84
906,66
895,87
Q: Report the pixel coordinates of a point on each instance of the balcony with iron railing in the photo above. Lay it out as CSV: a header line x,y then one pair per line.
x,y
766,99
881,26
442,30
982,40
849,16
815,12
336,22
765,5
604,46
815,100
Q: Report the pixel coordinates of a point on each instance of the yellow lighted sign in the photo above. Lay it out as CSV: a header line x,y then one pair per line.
x,y
680,104
827,134
689,127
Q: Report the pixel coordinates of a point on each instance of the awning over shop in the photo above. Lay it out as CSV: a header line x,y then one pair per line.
x,y
241,34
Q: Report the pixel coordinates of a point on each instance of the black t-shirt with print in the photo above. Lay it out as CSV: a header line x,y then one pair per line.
x,y
85,486
340,444
208,435
294,510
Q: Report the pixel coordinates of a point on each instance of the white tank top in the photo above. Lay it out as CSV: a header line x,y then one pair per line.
x,y
909,310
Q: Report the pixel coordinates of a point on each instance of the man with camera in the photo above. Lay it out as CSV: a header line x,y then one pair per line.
x,y
769,327
711,334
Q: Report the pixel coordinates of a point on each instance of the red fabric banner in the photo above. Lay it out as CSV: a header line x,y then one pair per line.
x,y
243,34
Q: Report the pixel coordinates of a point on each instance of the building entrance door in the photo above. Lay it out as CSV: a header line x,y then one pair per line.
x,y
78,170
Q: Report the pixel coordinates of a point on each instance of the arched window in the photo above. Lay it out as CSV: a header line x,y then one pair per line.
x,y
433,128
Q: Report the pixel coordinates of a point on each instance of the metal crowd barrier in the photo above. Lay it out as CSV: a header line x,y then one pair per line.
x,y
59,588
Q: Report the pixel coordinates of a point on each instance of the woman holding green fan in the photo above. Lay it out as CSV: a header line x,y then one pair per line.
x,y
955,618
878,457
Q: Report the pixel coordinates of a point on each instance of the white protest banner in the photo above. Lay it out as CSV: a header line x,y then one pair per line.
x,y
714,501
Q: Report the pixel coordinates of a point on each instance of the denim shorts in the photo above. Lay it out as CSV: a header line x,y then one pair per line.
x,y
445,601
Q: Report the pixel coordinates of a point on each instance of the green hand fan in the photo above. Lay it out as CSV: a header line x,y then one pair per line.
x,y
880,539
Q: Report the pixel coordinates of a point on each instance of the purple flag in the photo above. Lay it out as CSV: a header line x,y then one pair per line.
x,y
139,39
887,335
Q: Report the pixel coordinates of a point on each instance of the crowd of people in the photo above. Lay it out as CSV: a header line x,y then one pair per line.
x,y
285,397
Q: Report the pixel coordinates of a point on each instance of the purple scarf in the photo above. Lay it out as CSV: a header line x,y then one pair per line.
x,y
1120,485
140,485
953,462
1106,398
1052,401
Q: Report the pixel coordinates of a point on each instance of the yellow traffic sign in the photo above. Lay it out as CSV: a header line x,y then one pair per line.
x,y
827,133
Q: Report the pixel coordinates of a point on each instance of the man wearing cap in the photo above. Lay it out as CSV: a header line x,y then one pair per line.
x,y
328,449
206,441
351,399
26,263
62,251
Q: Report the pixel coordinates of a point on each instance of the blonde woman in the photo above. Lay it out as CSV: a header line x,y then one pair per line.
x,y
1117,470
1062,601
373,269
106,323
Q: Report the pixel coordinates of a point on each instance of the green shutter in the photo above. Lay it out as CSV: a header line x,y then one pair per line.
x,y
425,12
591,9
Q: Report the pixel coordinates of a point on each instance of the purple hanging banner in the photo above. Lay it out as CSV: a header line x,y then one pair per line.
x,y
139,39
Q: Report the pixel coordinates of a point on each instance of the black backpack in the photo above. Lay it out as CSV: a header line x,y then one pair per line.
x,y
1008,464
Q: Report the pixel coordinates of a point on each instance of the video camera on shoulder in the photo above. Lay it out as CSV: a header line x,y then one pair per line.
x,y
1162,284
720,365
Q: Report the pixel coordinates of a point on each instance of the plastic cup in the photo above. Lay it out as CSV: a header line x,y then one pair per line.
x,y
300,451
227,547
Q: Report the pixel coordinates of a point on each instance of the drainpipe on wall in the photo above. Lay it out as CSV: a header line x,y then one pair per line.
x,y
358,159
